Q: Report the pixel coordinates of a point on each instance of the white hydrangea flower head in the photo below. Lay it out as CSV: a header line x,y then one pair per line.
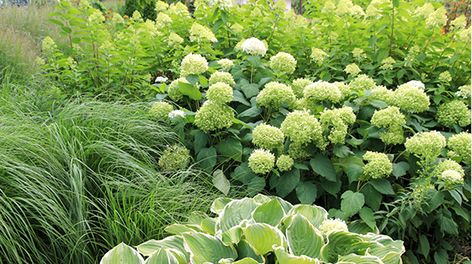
x,y
226,64
437,18
193,64
200,33
352,69
221,4
254,46
417,84
160,79
451,177
318,55
329,226
283,62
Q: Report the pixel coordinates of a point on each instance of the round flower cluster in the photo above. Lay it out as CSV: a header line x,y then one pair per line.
x,y
344,88
336,122
298,85
375,7
382,93
298,151
162,20
283,62
254,46
175,157
267,137
445,77
176,114
178,10
174,40
117,19
161,6
362,83
387,63
322,92
448,164
426,145
261,161
225,64
347,7
224,77
453,113
160,110
410,99
459,146
464,91
199,33
424,10
358,54
329,226
318,55
451,178
437,18
275,95
416,84
352,69
378,165
213,116
96,17
284,163
48,46
220,93
393,121
303,128
221,4
237,28
173,89
193,64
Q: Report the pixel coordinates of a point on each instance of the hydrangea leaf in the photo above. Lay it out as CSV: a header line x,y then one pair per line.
x,y
351,203
323,166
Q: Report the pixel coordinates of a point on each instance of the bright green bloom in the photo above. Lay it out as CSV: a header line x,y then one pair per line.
x,y
445,77
283,62
225,77
464,91
322,92
175,157
421,193
459,146
336,122
378,165
318,55
174,40
199,33
213,116
275,95
393,121
387,63
48,46
344,88
329,226
298,85
173,89
453,113
410,99
162,20
226,64
362,83
161,110
451,178
303,128
298,151
267,137
358,54
382,93
220,92
193,64
284,163
425,10
427,145
261,161
352,69
161,6
437,18
448,164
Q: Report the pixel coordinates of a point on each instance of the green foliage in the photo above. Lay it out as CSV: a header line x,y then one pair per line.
x,y
145,7
262,229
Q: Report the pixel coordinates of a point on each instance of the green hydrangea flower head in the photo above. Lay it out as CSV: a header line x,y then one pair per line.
x,y
459,146
261,161
451,178
175,157
48,46
275,95
378,165
422,193
193,64
464,91
336,123
214,116
322,92
199,33
387,63
173,89
160,110
298,151
318,55
303,128
225,64
267,137
174,40
284,163
410,99
362,83
225,77
163,20
453,113
382,93
298,85
426,145
329,226
392,120
344,88
448,164
220,93
352,69
438,18
283,62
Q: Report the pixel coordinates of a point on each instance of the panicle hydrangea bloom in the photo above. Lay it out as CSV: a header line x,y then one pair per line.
x,y
160,110
336,122
464,91
387,63
445,77
451,178
163,19
425,10
393,121
161,6
298,85
318,55
352,69
173,89
417,84
378,165
220,92
225,64
284,163
254,46
346,7
359,54
375,7
117,19
261,161
174,40
178,10
437,18
362,83
175,157
193,64
322,91
96,17
199,33
221,4
382,93
448,165
427,145
459,22
48,46
459,146
267,137
328,7
283,62
410,99
224,77
237,28
303,128
329,226
213,116
275,95
453,113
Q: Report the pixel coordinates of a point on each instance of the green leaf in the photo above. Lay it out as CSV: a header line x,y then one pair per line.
x,y
220,182
383,186
330,186
178,229
262,237
250,90
341,244
352,166
243,173
151,246
358,259
122,254
367,215
306,192
255,185
315,214
372,197
205,248
351,203
270,213
164,256
400,169
235,212
230,148
251,112
323,166
189,90
206,158
200,140
341,151
424,245
303,238
239,97
287,182
284,257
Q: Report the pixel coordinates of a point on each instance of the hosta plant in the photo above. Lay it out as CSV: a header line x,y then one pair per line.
x,y
262,229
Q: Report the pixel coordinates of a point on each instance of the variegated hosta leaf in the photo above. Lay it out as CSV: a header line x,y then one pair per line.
x,y
235,212
178,229
205,248
356,259
270,212
173,242
303,238
284,257
246,251
241,261
343,243
261,237
260,198
314,214
166,256
387,249
218,204
122,254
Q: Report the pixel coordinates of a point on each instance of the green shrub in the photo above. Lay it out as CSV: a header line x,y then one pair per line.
x,y
145,7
